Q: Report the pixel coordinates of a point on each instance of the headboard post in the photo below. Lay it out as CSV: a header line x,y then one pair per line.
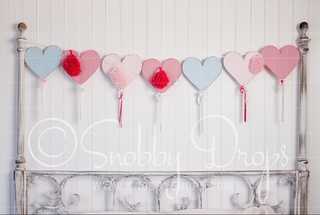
x,y
303,173
20,171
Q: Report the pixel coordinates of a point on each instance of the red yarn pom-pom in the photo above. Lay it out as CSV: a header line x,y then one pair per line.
x,y
71,65
160,80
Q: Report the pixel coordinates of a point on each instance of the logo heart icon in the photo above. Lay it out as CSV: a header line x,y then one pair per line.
x,y
281,63
130,67
238,66
89,63
202,76
171,67
43,63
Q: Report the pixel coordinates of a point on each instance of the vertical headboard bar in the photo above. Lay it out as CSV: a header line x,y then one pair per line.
x,y
303,173
303,48
20,171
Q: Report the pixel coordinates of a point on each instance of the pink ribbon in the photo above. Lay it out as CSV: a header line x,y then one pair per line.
x,y
244,91
120,107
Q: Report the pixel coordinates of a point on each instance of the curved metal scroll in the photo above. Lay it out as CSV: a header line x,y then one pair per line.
x,y
56,202
203,182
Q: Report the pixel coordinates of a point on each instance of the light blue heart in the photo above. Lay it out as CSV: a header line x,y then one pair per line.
x,y
202,76
43,63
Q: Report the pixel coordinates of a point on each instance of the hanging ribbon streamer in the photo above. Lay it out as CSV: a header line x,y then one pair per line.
x,y
200,103
282,103
120,107
42,87
80,90
244,91
160,97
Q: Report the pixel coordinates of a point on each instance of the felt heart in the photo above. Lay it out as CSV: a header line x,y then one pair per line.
x,y
130,67
281,63
89,63
238,66
171,67
202,76
43,63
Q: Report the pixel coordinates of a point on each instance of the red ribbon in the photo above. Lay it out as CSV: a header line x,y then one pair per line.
x,y
243,90
120,111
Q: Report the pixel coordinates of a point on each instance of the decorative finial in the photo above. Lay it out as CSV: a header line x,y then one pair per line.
x,y
304,27
22,27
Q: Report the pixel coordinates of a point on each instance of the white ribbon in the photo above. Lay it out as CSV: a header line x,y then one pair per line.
x,y
80,90
42,87
160,97
282,88
200,103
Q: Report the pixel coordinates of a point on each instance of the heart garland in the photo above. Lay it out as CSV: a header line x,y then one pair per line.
x,y
80,69
161,77
89,63
171,67
281,63
43,63
239,68
121,73
201,76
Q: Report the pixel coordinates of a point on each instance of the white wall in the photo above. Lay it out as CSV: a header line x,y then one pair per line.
x,y
158,29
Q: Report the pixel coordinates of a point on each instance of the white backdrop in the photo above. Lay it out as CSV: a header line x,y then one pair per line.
x,y
158,29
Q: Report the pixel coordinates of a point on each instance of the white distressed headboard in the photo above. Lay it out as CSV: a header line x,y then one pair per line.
x,y
159,183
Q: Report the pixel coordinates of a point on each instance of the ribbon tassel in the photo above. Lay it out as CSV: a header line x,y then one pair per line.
x,y
42,88
200,103
160,97
80,90
243,90
120,107
282,85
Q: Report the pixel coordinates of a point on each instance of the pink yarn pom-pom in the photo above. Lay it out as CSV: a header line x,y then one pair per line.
x,y
256,64
118,78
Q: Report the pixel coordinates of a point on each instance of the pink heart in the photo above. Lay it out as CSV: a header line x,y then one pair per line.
x,y
130,66
171,67
239,67
89,61
281,63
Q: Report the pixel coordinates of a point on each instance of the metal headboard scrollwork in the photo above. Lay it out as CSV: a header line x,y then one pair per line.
x,y
202,181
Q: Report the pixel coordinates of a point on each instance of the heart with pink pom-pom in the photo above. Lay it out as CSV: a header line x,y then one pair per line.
x,y
239,67
122,73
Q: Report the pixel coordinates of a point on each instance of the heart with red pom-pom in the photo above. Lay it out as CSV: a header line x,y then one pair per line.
x,y
80,68
161,77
